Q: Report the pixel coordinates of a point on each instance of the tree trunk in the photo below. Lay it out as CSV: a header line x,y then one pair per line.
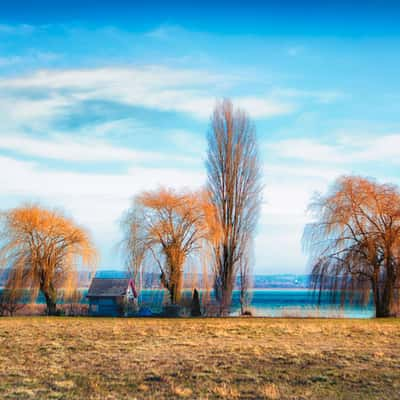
x,y
175,261
51,302
226,298
383,308
384,296
175,288
224,282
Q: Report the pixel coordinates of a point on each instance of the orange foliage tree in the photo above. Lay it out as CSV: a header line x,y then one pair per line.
x,y
42,250
355,242
169,225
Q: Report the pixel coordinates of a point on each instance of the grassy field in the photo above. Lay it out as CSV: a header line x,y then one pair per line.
x,y
83,358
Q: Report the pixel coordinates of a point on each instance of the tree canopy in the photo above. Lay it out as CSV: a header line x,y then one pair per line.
x,y
42,250
354,242
169,225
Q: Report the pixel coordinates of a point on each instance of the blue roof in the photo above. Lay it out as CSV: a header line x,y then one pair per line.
x,y
111,274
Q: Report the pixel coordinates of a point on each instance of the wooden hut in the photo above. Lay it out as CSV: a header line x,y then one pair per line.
x,y
108,297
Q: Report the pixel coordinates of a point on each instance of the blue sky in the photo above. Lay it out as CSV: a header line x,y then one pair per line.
x,y
99,101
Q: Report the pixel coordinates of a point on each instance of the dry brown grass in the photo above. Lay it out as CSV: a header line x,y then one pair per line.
x,y
83,358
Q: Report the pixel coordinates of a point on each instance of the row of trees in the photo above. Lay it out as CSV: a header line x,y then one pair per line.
x,y
354,241
42,249
215,226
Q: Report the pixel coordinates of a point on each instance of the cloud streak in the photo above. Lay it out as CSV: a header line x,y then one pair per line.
x,y
344,149
89,149
154,87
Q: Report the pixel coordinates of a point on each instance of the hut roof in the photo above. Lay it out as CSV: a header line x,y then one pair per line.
x,y
108,287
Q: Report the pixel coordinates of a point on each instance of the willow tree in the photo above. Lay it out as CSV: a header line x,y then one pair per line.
x,y
42,250
354,243
234,176
134,244
172,226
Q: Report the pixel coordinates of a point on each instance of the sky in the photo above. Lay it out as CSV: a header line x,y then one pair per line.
x,y
102,100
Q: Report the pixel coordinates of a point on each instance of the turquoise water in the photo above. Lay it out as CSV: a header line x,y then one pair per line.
x,y
301,303
266,302
278,303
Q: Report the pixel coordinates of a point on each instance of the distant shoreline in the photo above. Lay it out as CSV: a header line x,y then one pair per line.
x,y
251,290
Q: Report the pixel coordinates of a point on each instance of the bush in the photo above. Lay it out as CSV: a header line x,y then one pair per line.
x,y
11,301
172,310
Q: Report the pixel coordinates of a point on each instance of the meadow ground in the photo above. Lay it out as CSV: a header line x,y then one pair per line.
x,y
84,358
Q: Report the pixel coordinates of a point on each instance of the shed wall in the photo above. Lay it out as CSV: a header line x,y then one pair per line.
x,y
104,307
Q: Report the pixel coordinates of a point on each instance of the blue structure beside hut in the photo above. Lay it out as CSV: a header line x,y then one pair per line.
x,y
108,296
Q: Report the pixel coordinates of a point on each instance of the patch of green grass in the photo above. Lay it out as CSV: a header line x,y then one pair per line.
x,y
90,358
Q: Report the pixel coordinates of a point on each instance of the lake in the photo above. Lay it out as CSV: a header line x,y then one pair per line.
x,y
268,303
300,303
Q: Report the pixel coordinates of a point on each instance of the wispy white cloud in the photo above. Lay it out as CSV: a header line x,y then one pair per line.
x,y
89,149
320,96
35,180
188,142
155,87
304,170
87,79
22,110
345,149
259,107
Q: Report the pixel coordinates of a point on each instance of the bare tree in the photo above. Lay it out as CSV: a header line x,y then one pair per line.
x,y
245,281
234,185
354,243
135,243
173,226
42,249
72,303
11,301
